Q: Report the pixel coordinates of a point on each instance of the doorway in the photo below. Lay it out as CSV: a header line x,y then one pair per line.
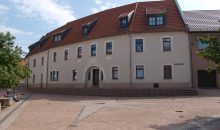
x,y
95,73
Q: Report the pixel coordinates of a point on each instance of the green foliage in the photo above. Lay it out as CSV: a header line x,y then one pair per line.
x,y
12,72
212,53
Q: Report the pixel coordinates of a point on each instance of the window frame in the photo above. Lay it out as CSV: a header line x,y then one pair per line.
x,y
171,73
91,50
162,44
122,24
66,54
157,22
74,75
34,63
135,45
115,69
79,55
106,48
136,71
54,56
33,78
57,38
42,61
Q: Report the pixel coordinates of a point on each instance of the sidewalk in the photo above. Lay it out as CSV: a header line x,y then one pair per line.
x,y
7,115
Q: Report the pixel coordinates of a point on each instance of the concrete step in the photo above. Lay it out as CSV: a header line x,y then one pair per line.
x,y
116,92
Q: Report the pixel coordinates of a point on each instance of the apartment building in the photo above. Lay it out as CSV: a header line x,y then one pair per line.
x,y
139,45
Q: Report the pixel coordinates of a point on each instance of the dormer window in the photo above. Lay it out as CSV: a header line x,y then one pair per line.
x,y
155,17
85,31
87,28
124,23
60,36
125,19
57,38
154,20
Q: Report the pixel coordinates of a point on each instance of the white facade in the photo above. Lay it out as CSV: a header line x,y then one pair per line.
x,y
123,56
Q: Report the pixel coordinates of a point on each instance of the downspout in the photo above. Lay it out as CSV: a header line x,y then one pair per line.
x,y
130,58
130,45
47,68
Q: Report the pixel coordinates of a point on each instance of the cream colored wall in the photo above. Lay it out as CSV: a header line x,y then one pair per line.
x,y
38,69
153,59
119,58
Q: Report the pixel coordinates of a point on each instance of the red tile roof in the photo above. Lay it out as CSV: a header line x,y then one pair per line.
x,y
202,20
108,23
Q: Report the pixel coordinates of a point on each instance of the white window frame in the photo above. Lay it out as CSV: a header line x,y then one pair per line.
x,y
90,49
67,54
112,72
112,47
171,40
82,52
134,44
135,72
172,72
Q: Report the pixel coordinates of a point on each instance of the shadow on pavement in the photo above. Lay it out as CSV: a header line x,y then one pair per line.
x,y
198,123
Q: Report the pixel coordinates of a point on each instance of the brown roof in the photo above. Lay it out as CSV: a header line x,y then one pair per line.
x,y
108,23
202,20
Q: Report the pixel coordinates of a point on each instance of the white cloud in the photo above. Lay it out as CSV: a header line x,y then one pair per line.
x,y
98,1
22,37
14,31
102,6
47,11
3,8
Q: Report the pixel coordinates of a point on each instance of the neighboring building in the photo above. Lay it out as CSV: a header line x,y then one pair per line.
x,y
140,45
202,23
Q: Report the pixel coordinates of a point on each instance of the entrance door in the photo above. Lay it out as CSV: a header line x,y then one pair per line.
x,y
206,79
95,77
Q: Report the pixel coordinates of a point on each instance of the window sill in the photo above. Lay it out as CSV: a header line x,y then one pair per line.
x,y
139,78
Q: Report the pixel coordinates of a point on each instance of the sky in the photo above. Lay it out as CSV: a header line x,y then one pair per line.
x,y
29,20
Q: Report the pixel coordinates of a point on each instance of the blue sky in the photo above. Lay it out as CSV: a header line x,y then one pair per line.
x,y
28,20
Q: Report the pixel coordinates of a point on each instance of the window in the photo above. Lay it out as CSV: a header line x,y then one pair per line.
x,y
51,76
124,23
114,72
54,75
160,20
42,61
109,48
201,46
85,31
34,63
139,45
66,55
156,20
57,38
74,74
93,50
167,70
152,21
139,72
54,56
33,78
166,44
79,52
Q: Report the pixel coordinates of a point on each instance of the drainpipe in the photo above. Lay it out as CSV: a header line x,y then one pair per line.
x,y
47,68
130,58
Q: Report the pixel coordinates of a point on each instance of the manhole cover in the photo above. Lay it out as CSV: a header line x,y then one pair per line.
x,y
179,111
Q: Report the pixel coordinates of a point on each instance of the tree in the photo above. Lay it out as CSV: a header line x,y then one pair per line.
x,y
212,52
12,72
